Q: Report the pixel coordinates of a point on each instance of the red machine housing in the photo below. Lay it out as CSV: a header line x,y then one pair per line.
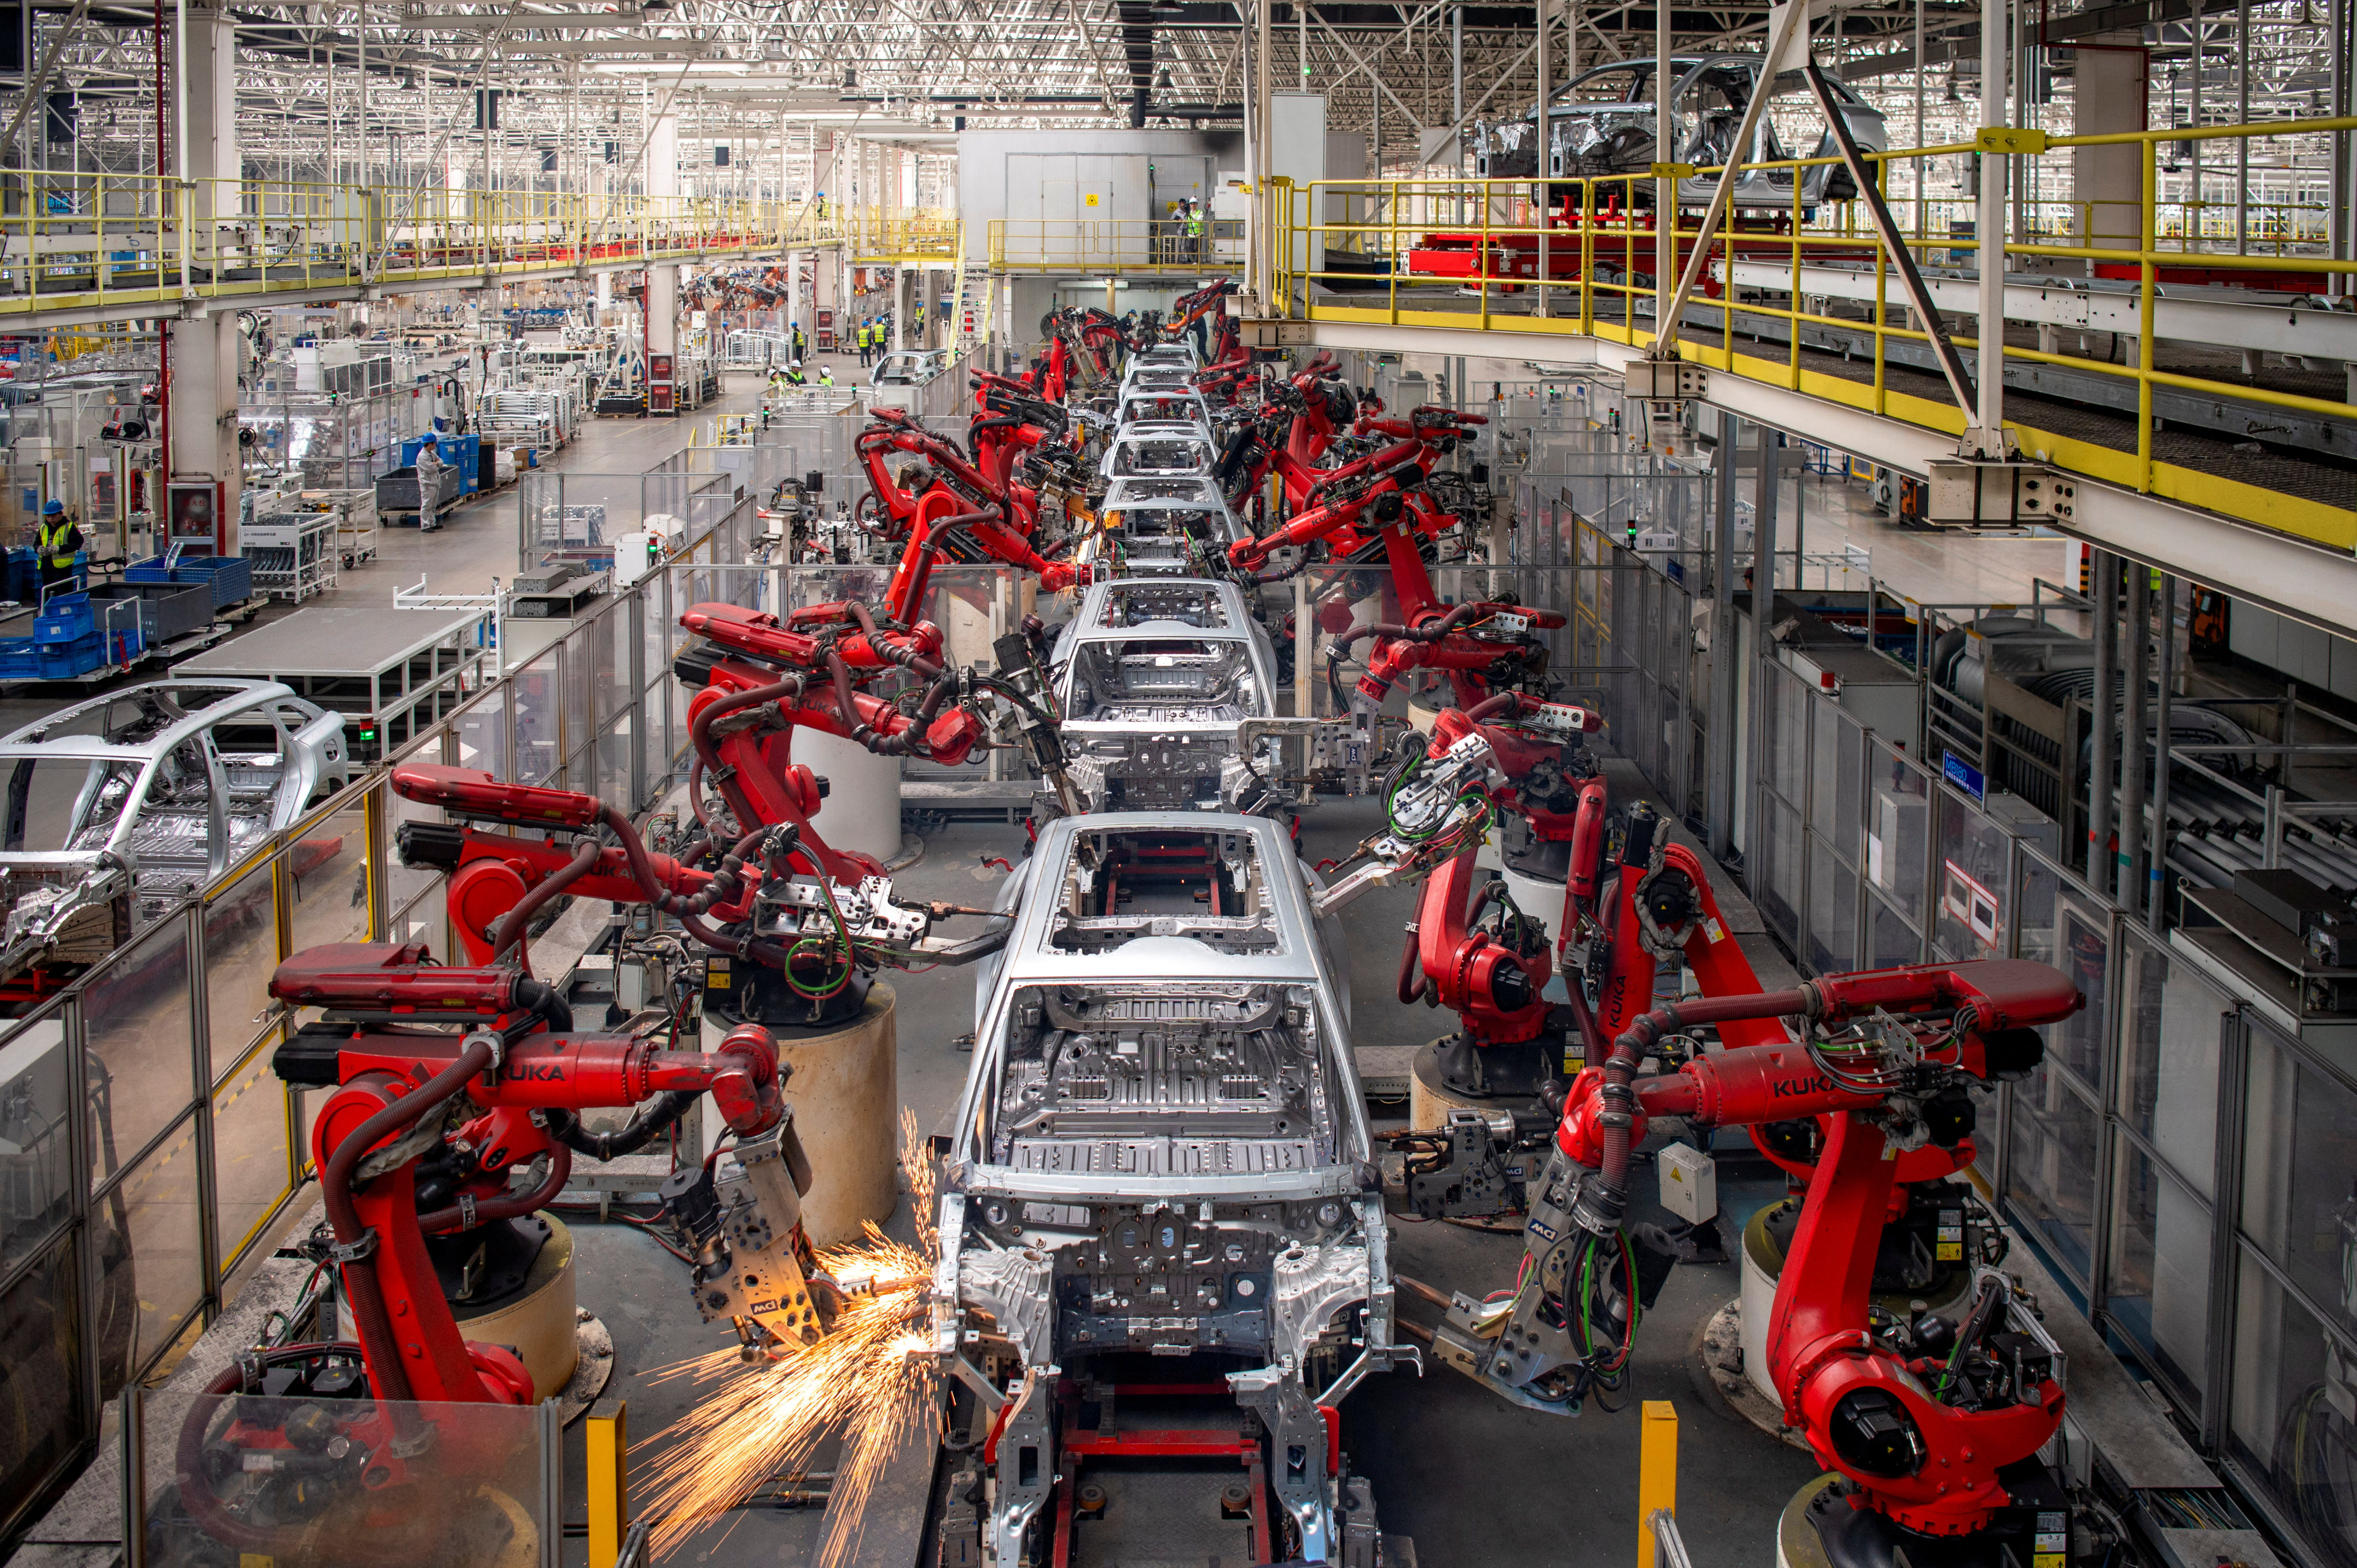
x,y
1821,1349
507,1065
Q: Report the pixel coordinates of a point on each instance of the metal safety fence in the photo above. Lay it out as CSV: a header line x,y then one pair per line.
x,y
152,1154
76,239
1116,245
1803,295
2182,1156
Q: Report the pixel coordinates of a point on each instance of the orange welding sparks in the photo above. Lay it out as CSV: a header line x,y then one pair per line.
x,y
757,1422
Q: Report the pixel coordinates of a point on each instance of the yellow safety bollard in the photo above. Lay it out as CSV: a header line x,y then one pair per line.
x,y
607,1433
1657,1472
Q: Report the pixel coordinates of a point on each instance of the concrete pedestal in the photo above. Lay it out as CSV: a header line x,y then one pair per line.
x,y
1763,1264
540,1322
845,1086
862,808
1430,1101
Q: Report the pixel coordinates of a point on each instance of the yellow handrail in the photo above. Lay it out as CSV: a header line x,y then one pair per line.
x,y
1463,254
75,242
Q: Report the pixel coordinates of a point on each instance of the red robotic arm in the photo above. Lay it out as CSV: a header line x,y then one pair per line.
x,y
1190,308
933,532
1898,1425
505,1045
445,1082
1373,493
1491,977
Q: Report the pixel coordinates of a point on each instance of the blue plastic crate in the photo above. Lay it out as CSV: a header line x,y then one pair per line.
x,y
23,573
65,617
60,660
231,578
19,660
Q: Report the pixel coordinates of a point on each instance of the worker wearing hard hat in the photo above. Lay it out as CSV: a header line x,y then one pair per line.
x,y
795,377
55,545
826,376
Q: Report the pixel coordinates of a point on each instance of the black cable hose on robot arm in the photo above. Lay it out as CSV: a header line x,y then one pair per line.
x,y
1602,1205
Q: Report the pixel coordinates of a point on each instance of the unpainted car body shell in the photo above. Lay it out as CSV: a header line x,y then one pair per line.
x,y
1169,667
1592,132
162,807
1212,1122
1159,517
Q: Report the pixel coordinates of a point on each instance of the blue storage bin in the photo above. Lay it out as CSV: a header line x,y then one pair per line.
x,y
23,573
60,660
19,660
463,454
66,617
231,578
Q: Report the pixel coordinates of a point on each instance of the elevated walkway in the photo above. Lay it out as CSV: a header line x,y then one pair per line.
x,y
96,248
2190,366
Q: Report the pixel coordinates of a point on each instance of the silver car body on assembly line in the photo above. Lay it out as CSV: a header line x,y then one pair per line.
x,y
120,806
1166,527
1155,677
1160,449
1150,401
1162,1149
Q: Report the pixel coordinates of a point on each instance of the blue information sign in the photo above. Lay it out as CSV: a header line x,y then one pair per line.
x,y
1965,777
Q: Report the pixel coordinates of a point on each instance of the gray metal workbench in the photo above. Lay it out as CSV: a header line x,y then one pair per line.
x,y
392,673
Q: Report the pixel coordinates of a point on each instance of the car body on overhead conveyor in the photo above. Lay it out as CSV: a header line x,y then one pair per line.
x,y
1155,677
1602,123
1162,1150
120,806
1601,127
1166,527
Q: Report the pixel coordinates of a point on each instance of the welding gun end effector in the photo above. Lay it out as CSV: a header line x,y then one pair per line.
x,y
752,1267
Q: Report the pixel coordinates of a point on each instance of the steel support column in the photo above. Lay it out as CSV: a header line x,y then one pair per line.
x,y
1764,616
1719,719
2101,708
2137,667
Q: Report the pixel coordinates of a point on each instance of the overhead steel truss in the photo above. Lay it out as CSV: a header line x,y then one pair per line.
x,y
780,74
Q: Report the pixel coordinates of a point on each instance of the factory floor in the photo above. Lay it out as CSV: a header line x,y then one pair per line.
x,y
477,541
1473,1481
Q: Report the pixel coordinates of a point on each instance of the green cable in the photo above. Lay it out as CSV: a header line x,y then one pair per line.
x,y
843,935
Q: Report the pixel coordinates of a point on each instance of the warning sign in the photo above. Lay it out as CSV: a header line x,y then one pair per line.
x,y
1969,904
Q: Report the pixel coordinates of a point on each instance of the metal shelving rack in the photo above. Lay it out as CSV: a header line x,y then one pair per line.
x,y
295,554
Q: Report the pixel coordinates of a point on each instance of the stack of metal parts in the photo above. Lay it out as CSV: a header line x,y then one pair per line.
x,y
572,527
2215,832
540,415
292,543
748,350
